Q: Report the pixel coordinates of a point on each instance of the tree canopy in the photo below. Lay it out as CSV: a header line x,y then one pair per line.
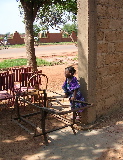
x,y
69,28
34,9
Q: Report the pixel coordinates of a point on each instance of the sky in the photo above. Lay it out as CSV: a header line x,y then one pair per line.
x,y
10,18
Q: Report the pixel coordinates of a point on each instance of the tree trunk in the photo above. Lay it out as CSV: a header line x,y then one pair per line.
x,y
29,39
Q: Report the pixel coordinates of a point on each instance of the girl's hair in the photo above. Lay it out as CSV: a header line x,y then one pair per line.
x,y
71,70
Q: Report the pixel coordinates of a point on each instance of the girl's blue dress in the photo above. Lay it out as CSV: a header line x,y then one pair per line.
x,y
69,89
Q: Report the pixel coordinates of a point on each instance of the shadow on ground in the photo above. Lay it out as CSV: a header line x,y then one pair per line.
x,y
90,144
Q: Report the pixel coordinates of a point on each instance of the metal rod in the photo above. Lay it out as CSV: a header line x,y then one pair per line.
x,y
58,112
28,122
43,112
30,114
22,126
54,92
52,130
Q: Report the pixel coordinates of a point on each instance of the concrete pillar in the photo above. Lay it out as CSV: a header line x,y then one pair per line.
x,y
87,54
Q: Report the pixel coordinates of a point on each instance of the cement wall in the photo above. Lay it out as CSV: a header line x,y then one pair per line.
x,y
100,51
87,55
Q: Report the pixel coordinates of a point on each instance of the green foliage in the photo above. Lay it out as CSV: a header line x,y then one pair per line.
x,y
58,43
69,28
55,43
51,12
75,58
21,62
36,30
13,62
42,9
52,16
57,13
41,62
17,46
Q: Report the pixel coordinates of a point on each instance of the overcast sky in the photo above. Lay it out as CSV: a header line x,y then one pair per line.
x,y
10,19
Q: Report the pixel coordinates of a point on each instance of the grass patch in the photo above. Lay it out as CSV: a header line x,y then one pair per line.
x,y
40,44
41,62
22,62
17,46
57,43
75,58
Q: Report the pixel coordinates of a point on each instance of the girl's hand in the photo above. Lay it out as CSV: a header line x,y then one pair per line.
x,y
65,96
72,98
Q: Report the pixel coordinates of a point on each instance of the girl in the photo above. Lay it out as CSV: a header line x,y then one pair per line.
x,y
71,88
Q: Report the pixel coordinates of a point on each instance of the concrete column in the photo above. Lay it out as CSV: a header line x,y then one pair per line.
x,y
87,54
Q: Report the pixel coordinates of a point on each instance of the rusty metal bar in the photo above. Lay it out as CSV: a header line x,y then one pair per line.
x,y
53,130
30,114
43,113
43,118
22,126
58,112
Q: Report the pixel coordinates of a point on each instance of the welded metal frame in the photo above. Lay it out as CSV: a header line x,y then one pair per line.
x,y
43,112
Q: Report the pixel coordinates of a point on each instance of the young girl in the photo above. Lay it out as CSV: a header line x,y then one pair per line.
x,y
71,88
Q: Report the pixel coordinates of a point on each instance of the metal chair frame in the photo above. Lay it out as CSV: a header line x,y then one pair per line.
x,y
18,71
7,88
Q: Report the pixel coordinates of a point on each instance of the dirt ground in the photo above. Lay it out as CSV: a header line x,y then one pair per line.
x,y
16,143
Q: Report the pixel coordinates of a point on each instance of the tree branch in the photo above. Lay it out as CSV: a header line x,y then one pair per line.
x,y
70,35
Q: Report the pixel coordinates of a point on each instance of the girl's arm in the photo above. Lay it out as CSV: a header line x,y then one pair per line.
x,y
64,87
66,95
74,95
